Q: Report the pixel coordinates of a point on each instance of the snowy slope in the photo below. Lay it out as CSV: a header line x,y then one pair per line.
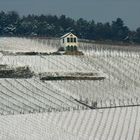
x,y
120,88
59,110
50,63
107,124
31,95
14,44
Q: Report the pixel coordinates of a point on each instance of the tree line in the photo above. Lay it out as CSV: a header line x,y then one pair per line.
x,y
11,24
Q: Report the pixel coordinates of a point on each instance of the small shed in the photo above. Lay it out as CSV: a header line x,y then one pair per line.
x,y
69,42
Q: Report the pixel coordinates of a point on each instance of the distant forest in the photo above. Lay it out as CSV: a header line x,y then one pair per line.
x,y
11,24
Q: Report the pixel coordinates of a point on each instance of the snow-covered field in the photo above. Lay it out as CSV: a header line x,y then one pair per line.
x,y
117,96
121,85
49,63
14,44
105,124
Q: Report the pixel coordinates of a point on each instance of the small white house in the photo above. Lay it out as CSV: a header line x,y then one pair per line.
x,y
69,42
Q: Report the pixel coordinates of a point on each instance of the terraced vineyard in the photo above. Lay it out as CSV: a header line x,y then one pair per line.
x,y
120,87
80,109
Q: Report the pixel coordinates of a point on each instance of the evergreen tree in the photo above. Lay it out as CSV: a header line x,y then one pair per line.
x,y
11,24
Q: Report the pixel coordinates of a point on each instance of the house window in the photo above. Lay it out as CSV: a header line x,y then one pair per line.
x,y
75,48
71,39
71,48
74,39
68,48
68,39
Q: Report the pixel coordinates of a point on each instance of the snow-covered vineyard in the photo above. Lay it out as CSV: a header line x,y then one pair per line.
x,y
121,86
105,124
107,109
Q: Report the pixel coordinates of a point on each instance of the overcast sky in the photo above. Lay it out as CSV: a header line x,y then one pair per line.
x,y
98,10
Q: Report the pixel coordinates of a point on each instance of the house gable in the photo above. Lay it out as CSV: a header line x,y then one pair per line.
x,y
69,41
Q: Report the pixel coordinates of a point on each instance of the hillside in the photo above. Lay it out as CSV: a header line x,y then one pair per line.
x,y
104,124
97,108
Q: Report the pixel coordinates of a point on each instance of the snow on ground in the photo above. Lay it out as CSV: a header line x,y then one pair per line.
x,y
14,44
104,124
31,95
49,63
120,87
31,98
